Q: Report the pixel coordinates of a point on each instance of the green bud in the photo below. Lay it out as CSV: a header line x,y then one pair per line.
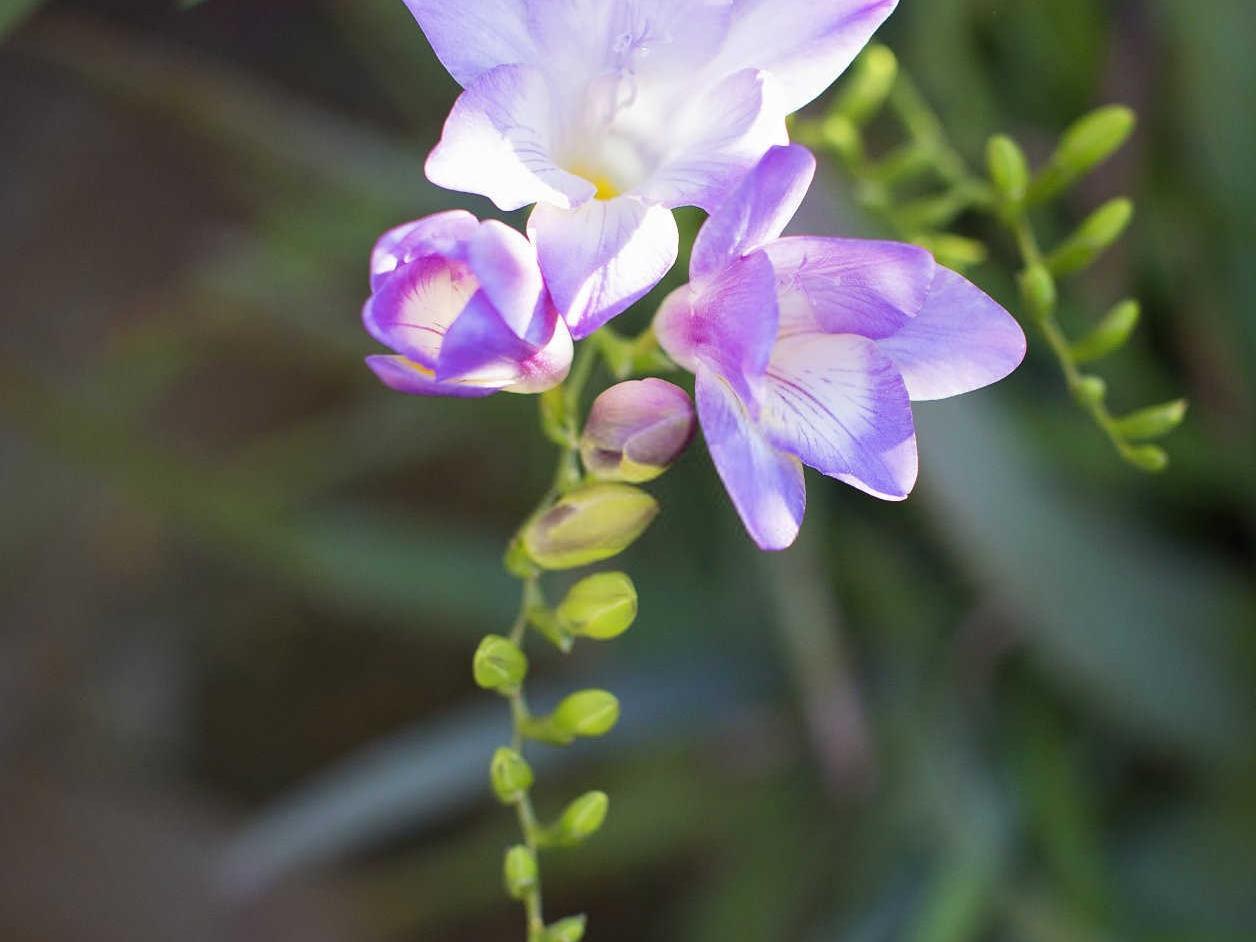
x,y
1152,422
841,134
869,86
520,872
1038,287
566,930
601,607
953,251
1150,458
1102,228
511,775
1086,144
1090,390
587,714
1109,335
588,525
580,821
1009,170
499,664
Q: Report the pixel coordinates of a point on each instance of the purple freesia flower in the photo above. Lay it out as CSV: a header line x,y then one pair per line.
x,y
463,304
609,113
810,350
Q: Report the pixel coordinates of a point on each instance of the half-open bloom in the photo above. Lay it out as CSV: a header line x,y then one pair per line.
x,y
609,113
809,351
463,305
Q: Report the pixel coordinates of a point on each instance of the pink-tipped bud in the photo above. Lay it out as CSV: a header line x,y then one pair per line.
x,y
636,430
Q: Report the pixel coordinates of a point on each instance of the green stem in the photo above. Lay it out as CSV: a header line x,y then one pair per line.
x,y
566,475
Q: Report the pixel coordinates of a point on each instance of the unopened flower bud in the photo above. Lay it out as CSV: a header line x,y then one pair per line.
x,y
499,664
588,525
519,871
1101,228
570,929
1109,335
1039,289
511,775
1087,143
636,430
1009,170
1150,458
580,820
872,79
587,714
601,607
1153,421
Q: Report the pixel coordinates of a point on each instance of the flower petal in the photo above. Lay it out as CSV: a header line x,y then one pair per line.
x,y
481,349
406,376
505,264
471,38
766,485
838,403
601,258
757,211
806,44
416,305
716,139
849,286
961,340
497,142
441,234
727,322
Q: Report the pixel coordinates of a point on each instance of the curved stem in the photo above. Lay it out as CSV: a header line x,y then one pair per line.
x,y
566,475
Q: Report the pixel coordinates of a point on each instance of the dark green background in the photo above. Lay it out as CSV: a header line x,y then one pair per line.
x,y
241,582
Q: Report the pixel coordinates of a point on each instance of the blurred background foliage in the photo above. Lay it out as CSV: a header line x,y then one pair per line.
x,y
241,582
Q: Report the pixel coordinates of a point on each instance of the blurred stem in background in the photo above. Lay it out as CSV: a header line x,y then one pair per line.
x,y
1009,194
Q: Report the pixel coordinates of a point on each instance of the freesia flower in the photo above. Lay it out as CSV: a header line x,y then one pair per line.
x,y
809,351
463,304
609,113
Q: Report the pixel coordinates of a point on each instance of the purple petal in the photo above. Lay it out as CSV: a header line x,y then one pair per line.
x,y
601,258
505,264
498,143
416,305
806,44
717,139
849,286
441,234
838,403
727,323
471,38
480,349
961,340
757,211
592,37
766,485
414,379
